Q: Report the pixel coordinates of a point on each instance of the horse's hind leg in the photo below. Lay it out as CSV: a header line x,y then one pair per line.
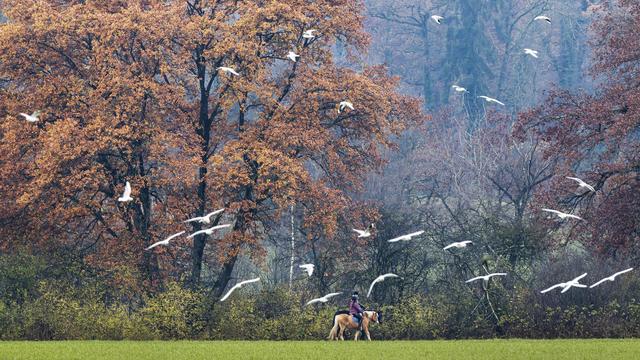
x,y
342,328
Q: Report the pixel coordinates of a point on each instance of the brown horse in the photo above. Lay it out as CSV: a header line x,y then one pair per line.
x,y
345,321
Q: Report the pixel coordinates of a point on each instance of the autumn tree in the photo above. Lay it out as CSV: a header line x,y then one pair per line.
x,y
130,91
597,137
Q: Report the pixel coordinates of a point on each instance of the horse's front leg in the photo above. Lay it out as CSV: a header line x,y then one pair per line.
x,y
368,335
341,332
357,335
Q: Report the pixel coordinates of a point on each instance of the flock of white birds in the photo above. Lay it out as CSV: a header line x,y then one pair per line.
x,y
309,268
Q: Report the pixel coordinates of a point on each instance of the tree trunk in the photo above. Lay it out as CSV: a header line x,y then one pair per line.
x,y
204,130
293,252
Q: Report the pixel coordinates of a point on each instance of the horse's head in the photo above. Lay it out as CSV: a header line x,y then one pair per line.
x,y
376,316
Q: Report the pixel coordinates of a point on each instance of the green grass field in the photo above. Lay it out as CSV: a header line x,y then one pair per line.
x,y
465,349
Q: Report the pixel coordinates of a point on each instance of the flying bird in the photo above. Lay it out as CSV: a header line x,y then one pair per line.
x,y
33,117
406,237
531,52
323,299
485,277
542,18
208,231
345,104
308,268
380,278
227,70
491,100
126,195
206,219
308,34
459,89
165,241
567,285
582,183
562,215
237,286
458,245
437,18
610,278
292,56
365,233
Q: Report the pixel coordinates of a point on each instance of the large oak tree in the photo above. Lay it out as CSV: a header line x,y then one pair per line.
x,y
129,92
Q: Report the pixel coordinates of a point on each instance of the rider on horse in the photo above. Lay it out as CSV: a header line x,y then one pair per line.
x,y
355,309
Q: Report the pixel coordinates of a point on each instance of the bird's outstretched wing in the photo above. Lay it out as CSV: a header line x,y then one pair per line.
x,y
197,218
553,211
360,232
600,282
621,272
230,291
449,246
314,301
203,231
242,283
566,288
165,240
474,279
580,277
553,287
218,227
379,278
216,212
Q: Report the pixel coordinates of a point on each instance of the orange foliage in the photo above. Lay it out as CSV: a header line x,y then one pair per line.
x,y
129,92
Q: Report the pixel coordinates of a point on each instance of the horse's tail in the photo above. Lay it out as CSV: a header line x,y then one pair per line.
x,y
333,335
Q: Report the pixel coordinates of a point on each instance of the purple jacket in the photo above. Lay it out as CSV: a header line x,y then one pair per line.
x,y
354,307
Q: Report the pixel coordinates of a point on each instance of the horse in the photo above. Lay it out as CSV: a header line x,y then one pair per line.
x,y
342,321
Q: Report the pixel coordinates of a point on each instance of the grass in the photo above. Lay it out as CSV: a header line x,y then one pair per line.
x,y
463,349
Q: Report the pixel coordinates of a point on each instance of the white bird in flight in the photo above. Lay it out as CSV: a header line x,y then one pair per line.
x,y
206,219
308,268
491,100
582,183
237,286
209,231
323,299
33,117
437,18
610,278
459,89
562,215
227,70
380,278
292,56
345,104
485,277
543,18
458,245
365,233
531,52
308,34
567,285
126,195
406,237
165,241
